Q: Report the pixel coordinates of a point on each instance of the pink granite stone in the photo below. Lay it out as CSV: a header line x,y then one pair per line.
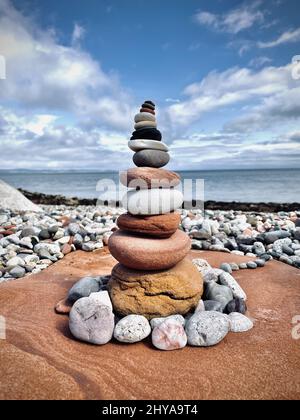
x,y
169,335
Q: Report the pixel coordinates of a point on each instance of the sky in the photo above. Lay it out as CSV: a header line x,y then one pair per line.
x,y
224,74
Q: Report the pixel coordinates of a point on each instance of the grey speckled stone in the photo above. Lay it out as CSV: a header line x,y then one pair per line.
x,y
132,328
151,158
207,328
222,294
227,280
91,322
239,322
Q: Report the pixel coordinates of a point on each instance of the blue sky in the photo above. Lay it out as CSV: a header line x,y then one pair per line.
x,y
220,72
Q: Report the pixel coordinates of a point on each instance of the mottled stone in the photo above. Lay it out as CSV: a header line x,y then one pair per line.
x,y
226,279
169,335
155,322
132,328
156,293
207,328
146,177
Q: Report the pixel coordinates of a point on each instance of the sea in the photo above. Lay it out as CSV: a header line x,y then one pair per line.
x,y
253,186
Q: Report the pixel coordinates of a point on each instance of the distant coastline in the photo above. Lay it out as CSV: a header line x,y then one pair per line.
x,y
49,199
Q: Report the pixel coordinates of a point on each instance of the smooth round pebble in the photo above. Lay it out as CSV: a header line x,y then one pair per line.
x,y
239,322
206,329
91,322
152,202
169,335
260,263
144,116
132,328
151,158
137,145
243,266
251,264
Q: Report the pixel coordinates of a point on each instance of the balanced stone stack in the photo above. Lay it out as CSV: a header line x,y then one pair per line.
x,y
154,277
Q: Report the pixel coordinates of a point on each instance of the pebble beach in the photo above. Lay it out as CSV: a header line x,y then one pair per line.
x,y
31,242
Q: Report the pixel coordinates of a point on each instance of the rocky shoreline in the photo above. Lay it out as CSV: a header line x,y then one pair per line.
x,y
49,199
31,242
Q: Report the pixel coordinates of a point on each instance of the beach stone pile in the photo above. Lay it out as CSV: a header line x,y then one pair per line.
x,y
265,236
32,241
153,278
222,310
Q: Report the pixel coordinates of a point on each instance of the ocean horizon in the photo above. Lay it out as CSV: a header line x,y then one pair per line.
x,y
243,185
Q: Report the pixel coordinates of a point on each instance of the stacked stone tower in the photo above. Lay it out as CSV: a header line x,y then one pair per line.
x,y
154,277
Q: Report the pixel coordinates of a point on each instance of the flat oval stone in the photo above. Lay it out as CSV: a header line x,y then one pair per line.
x,y
207,328
147,110
137,145
152,202
91,322
132,328
156,294
239,322
169,335
147,253
144,124
152,158
144,116
226,279
151,178
161,226
146,133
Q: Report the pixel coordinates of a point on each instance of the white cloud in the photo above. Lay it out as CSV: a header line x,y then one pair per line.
x,y
286,37
234,21
42,73
259,61
78,33
40,142
172,100
231,87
